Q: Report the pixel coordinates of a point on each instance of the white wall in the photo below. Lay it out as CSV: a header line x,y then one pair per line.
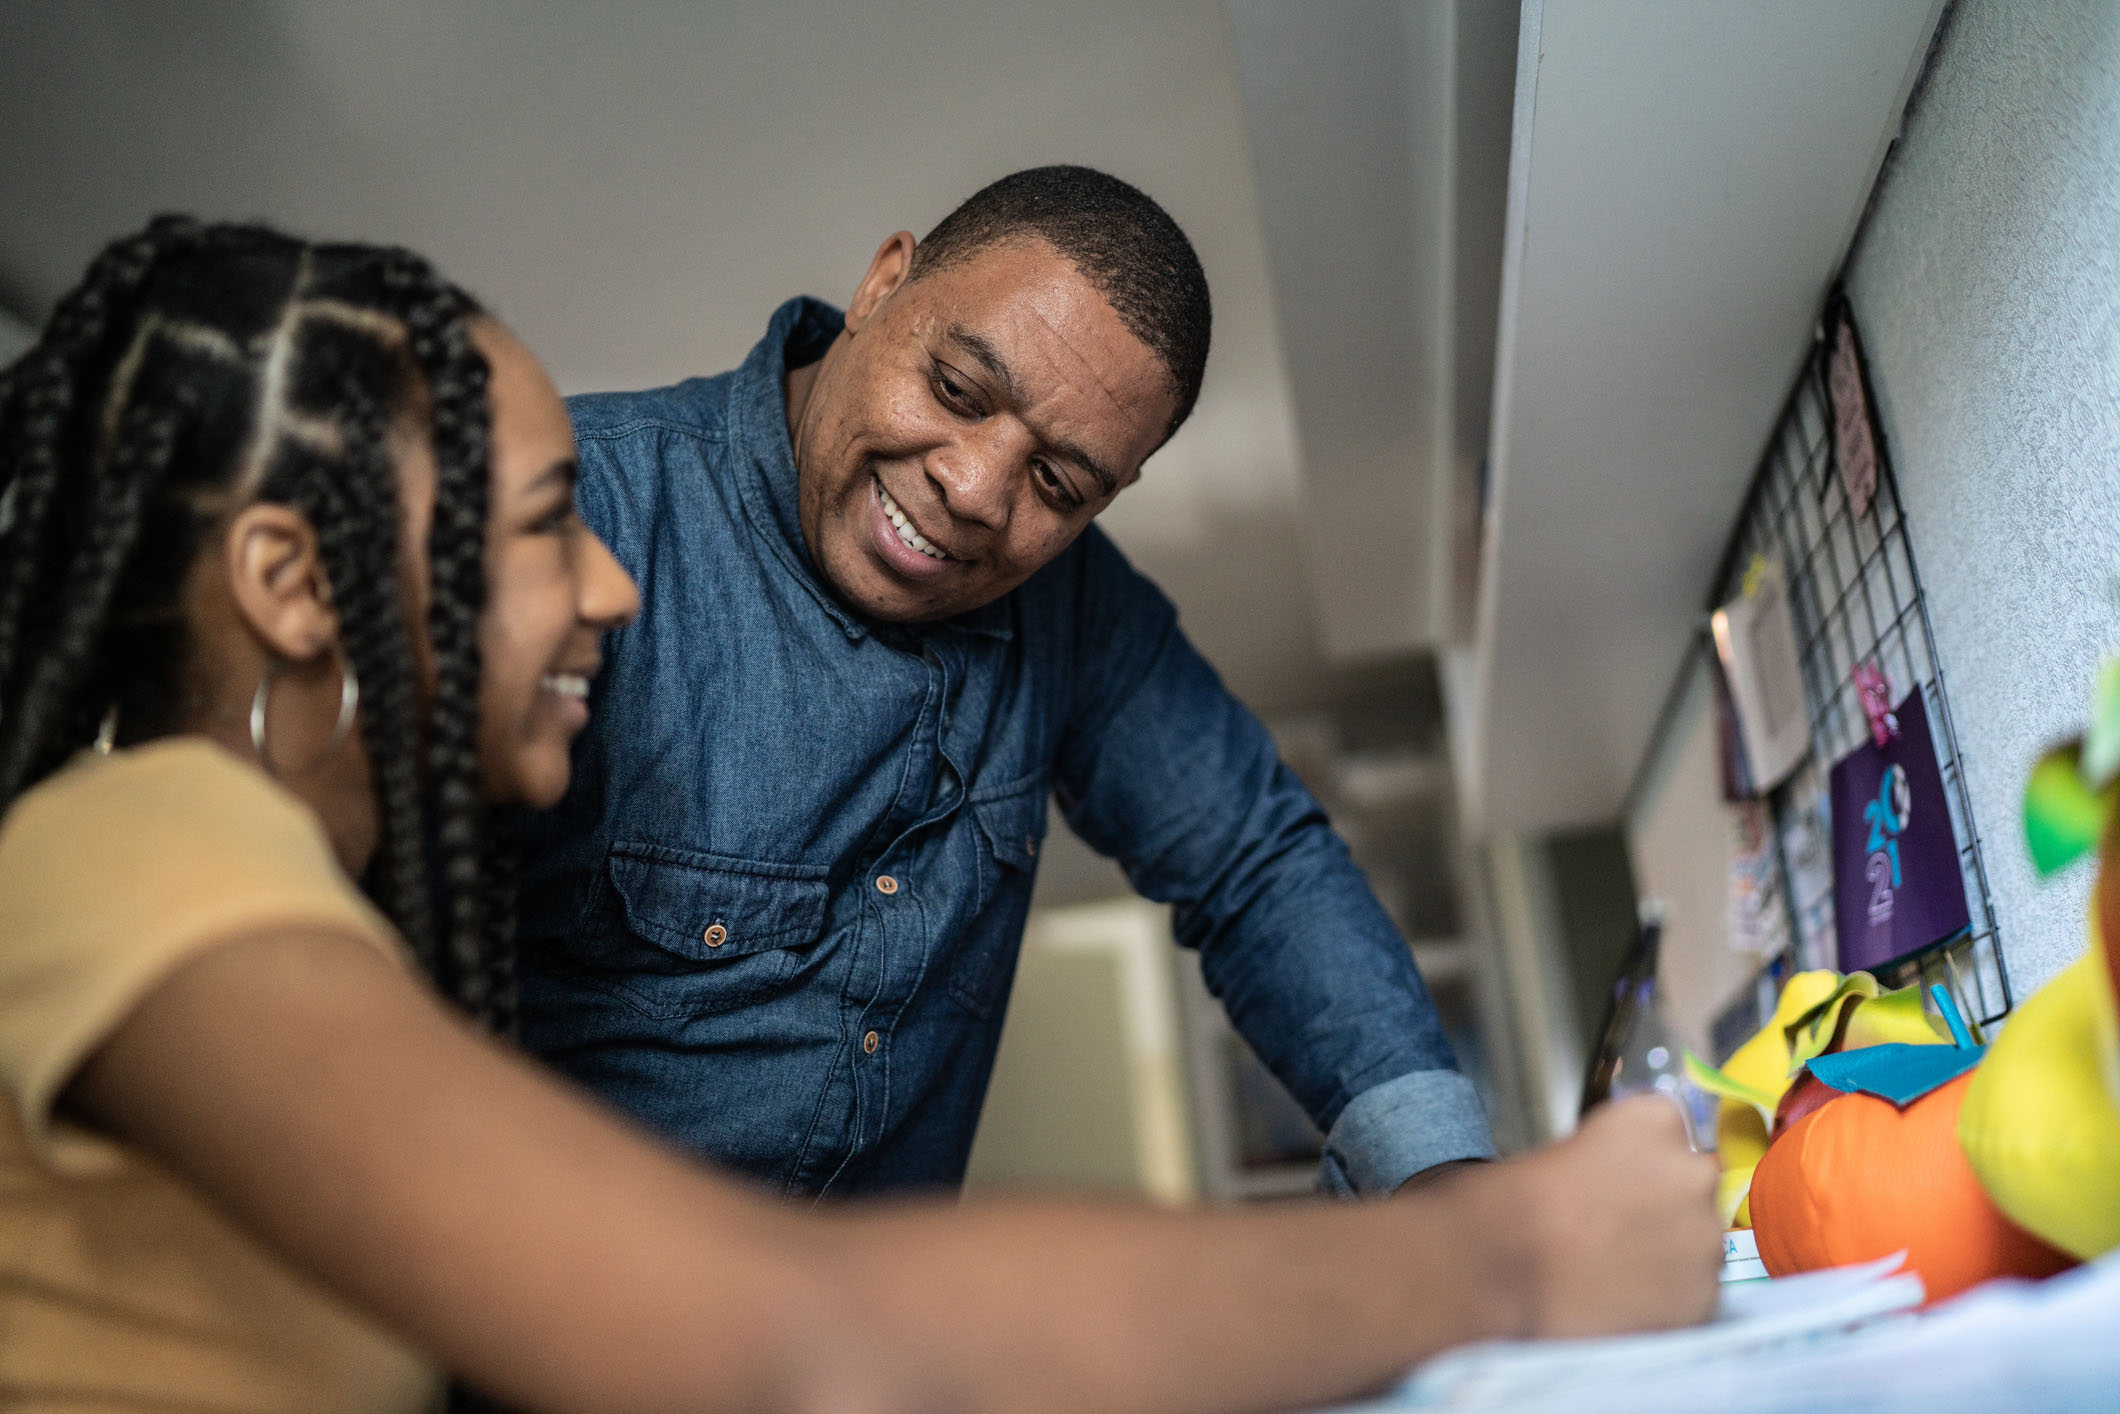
x,y
1987,287
1530,937
1680,842
1089,1087
634,185
14,337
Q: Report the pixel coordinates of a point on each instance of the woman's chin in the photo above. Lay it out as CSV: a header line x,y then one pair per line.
x,y
546,785
536,778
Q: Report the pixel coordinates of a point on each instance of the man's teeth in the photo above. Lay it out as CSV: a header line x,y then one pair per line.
x,y
565,684
905,529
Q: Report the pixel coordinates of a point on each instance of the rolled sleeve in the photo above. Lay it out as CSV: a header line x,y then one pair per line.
x,y
1392,1131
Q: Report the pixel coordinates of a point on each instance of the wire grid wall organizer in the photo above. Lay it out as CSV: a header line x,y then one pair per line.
x,y
1856,597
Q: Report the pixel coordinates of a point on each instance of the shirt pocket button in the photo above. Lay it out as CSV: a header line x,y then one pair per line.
x,y
715,935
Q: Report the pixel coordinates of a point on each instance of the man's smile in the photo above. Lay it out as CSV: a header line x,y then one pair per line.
x,y
903,545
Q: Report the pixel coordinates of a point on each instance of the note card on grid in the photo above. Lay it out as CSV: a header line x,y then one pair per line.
x,y
1755,644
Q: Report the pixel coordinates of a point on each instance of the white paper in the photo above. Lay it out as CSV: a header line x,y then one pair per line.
x,y
1755,639
2044,1347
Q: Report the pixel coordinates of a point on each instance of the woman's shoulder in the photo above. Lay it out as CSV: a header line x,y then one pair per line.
x,y
116,869
175,829
183,792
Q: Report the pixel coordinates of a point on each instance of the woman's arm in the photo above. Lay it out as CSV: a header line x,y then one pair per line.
x,y
553,1254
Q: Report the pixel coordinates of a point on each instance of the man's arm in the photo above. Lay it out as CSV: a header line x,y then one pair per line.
x,y
1164,770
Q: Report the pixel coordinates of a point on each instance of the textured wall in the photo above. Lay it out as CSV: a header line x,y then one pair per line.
x,y
1987,286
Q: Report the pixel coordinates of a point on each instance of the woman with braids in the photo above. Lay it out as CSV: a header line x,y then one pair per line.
x,y
292,593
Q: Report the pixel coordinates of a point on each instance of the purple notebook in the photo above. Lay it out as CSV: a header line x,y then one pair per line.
x,y
1897,887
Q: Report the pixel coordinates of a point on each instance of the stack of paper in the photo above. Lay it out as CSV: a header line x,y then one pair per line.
x,y
1839,1340
1741,1260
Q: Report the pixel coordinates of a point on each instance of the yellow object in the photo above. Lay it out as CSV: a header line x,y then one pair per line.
x,y
1733,1196
2039,1127
120,1286
1758,1071
2106,1027
2105,1017
1807,1018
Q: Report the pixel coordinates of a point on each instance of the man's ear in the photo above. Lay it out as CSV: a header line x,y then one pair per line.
x,y
276,577
893,263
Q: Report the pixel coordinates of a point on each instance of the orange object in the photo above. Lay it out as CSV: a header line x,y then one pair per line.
x,y
1860,1179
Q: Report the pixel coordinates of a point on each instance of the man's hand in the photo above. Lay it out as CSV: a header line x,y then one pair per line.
x,y
1617,1224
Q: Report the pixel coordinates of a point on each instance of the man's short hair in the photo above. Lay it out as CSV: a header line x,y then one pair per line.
x,y
1121,241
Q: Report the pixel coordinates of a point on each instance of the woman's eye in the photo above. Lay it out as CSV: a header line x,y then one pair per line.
x,y
555,521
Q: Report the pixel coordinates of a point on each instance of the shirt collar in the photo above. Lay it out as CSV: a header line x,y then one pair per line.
x,y
799,333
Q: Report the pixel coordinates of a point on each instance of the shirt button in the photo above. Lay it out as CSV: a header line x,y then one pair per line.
x,y
870,1042
885,884
716,936
1030,845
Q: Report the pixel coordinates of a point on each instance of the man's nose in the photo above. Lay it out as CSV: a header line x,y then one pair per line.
x,y
977,476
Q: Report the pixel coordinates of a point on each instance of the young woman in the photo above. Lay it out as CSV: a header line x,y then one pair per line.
x,y
291,588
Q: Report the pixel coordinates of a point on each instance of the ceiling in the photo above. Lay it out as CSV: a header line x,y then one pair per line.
x,y
635,186
1369,122
1684,181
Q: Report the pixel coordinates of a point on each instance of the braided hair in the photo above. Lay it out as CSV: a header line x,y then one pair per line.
x,y
198,369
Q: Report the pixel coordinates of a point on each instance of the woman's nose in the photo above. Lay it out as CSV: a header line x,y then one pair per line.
x,y
609,598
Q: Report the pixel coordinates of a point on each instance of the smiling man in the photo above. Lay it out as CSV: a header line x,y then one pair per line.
x,y
778,916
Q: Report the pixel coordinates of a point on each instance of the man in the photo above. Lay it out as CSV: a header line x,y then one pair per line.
x,y
779,914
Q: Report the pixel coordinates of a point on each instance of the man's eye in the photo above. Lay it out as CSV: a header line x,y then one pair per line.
x,y
1055,485
958,397
555,521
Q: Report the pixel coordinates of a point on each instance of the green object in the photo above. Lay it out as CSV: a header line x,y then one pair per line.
x,y
1724,1087
2063,813
2101,744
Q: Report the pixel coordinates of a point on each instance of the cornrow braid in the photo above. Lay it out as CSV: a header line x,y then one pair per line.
x,y
476,961
502,869
198,369
54,679
357,538
35,419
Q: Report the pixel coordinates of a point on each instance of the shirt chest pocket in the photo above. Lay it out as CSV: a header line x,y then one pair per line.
x,y
685,933
1009,831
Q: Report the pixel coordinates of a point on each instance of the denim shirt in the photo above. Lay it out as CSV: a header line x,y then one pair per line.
x,y
778,914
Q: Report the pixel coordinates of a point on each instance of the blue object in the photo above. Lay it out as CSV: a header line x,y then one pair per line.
x,y
708,937
1899,1073
1960,1036
1902,1073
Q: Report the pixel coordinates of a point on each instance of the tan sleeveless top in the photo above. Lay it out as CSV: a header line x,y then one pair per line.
x,y
120,1287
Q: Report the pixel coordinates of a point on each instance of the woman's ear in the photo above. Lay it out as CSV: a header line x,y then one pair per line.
x,y
893,263
276,577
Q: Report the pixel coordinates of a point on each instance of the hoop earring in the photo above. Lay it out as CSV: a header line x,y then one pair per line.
x,y
349,703
107,731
